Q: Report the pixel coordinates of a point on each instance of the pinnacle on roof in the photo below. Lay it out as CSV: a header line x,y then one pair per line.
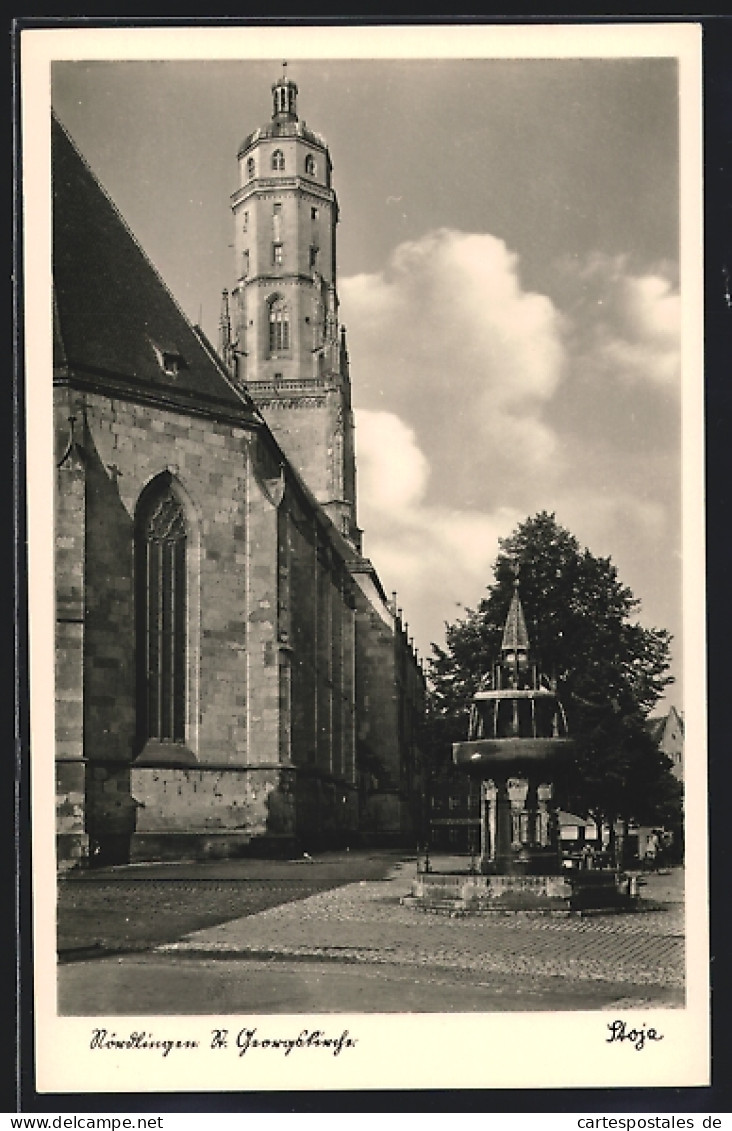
x,y
515,634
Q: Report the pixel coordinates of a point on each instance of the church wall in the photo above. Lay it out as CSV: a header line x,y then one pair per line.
x,y
303,430
72,842
209,811
316,232
208,461
377,737
322,666
274,632
309,298
234,712
264,280
303,611
411,693
390,693
270,229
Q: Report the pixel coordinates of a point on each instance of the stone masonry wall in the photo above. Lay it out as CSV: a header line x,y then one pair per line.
x,y
378,748
233,716
321,664
72,844
270,643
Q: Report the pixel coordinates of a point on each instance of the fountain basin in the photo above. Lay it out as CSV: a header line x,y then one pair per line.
x,y
511,753
469,894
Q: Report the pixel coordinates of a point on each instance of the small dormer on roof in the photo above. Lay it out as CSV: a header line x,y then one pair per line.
x,y
284,95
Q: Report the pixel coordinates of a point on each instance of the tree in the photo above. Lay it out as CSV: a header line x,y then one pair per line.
x,y
609,671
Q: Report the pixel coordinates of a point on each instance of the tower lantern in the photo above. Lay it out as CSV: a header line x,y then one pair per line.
x,y
284,94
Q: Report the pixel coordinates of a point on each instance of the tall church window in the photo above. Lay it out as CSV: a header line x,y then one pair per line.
x,y
278,161
279,326
277,221
162,603
310,167
250,168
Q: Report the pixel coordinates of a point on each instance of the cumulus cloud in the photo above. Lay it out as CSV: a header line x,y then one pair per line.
x,y
479,402
448,338
626,326
392,469
433,554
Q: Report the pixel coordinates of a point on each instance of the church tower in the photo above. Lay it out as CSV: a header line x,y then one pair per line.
x,y
285,345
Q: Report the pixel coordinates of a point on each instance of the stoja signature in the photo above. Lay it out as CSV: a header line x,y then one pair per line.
x,y
620,1032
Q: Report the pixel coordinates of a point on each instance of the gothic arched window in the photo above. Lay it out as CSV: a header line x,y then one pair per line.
x,y
310,167
162,602
279,326
278,161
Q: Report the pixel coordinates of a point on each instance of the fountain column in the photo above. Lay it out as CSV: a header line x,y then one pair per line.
x,y
501,853
533,820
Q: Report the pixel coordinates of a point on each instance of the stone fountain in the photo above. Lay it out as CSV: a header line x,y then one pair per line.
x,y
517,745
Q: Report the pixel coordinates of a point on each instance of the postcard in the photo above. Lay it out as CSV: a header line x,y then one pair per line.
x,y
366,556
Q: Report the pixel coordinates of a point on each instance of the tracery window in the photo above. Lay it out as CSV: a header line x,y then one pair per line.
x,y
278,161
162,614
279,326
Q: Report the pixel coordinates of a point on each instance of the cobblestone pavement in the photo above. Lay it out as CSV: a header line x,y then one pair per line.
x,y
131,908
366,923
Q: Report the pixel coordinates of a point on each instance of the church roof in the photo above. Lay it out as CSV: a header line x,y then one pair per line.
x,y
116,325
515,635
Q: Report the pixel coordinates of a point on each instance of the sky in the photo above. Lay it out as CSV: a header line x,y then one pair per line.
x,y
508,273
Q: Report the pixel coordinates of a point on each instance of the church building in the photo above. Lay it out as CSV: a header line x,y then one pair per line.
x,y
230,676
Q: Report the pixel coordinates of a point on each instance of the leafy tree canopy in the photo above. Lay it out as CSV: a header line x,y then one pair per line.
x,y
609,671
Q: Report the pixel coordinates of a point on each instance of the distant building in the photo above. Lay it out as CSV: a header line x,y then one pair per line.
x,y
230,674
668,732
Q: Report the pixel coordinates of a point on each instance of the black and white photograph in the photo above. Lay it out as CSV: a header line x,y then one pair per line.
x,y
366,556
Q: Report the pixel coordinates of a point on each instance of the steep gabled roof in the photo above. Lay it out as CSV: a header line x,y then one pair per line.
x,y
656,726
116,325
659,726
